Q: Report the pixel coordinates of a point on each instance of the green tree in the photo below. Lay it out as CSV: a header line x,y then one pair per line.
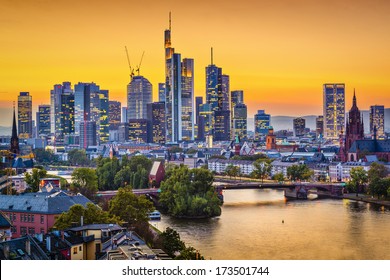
x,y
299,172
106,170
189,253
171,242
358,179
44,156
92,214
34,179
176,149
232,170
189,193
377,179
84,181
129,207
262,169
78,157
279,177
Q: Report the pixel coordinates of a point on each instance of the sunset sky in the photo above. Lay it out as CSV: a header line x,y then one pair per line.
x,y
279,52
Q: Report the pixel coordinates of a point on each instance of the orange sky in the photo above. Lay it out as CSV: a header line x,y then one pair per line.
x,y
279,52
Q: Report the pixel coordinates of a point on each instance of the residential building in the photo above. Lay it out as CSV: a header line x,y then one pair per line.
x,y
220,165
25,124
333,110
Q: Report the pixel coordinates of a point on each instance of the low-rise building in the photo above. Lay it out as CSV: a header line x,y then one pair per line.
x,y
220,165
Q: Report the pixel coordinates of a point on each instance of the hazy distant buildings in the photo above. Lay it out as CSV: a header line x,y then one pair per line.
x,y
43,120
25,124
139,94
299,125
319,126
333,110
114,114
377,120
240,121
87,130
156,116
262,124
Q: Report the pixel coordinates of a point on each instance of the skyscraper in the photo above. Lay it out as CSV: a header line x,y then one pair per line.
x,y
56,105
99,114
222,125
139,130
334,110
198,102
299,125
187,99
262,124
65,115
114,114
320,126
236,97
87,131
139,94
156,116
25,126
225,80
161,92
82,102
240,121
377,119
43,120
214,85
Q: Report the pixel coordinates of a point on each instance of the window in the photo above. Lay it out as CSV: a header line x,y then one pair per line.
x,y
23,230
42,219
42,230
80,248
31,231
13,229
75,250
28,218
32,218
14,217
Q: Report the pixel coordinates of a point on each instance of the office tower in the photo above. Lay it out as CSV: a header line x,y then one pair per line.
x,y
240,121
66,116
82,102
156,116
334,110
187,97
161,92
14,148
99,114
124,115
87,130
139,130
43,120
25,126
377,120
214,95
139,94
236,97
207,116
114,114
55,105
123,132
225,80
299,125
262,124
198,102
320,126
222,125
201,128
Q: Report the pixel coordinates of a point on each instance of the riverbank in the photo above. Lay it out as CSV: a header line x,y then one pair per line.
x,y
367,198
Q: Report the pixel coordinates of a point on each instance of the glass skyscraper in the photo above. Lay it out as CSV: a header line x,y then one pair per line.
x,y
114,114
187,97
82,102
43,120
334,110
25,124
377,120
240,121
262,124
56,106
139,94
299,125
156,116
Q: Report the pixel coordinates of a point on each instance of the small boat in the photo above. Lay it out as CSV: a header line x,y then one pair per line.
x,y
155,215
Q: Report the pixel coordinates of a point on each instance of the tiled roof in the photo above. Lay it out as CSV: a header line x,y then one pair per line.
x,y
372,146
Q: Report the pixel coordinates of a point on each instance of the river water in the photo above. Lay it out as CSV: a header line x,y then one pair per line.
x,y
261,224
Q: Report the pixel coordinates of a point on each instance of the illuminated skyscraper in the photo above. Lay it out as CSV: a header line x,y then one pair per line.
x,y
240,121
161,92
236,97
87,131
55,106
99,114
377,119
320,126
43,120
299,125
225,92
139,94
156,116
187,97
334,110
114,114
139,130
214,85
25,126
262,124
221,125
198,102
66,117
82,102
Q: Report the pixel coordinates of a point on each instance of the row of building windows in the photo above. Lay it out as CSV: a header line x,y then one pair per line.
x,y
29,218
25,230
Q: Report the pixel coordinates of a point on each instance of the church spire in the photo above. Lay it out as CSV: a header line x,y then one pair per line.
x,y
354,99
14,138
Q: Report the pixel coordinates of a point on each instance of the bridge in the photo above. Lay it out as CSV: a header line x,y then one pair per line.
x,y
152,192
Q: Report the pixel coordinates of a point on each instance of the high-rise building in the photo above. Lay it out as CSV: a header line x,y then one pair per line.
x,y
139,130
320,126
123,132
25,126
236,97
66,115
43,120
99,114
377,120
222,125
114,114
334,110
214,95
207,116
187,99
240,121
156,116
55,106
161,92
225,80
262,124
299,125
82,102
198,102
124,115
87,130
139,94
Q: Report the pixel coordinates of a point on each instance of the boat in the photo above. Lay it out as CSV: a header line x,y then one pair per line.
x,y
155,215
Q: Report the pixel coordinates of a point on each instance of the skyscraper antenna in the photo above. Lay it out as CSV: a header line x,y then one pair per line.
x,y
212,56
170,22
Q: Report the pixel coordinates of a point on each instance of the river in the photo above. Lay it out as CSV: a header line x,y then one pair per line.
x,y
261,224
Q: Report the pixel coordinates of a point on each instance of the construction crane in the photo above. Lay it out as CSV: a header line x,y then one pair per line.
x,y
139,65
130,68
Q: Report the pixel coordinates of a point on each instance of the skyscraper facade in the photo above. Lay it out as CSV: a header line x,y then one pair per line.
x,y
87,130
187,99
156,116
225,82
377,120
114,114
66,116
43,120
198,102
236,97
99,114
55,106
139,130
214,87
139,94
82,102
262,124
319,126
299,125
161,92
222,125
25,125
334,110
240,121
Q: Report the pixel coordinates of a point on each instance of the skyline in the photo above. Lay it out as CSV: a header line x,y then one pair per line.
x,y
278,53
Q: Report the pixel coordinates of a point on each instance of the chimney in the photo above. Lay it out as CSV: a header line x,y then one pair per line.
x,y
48,243
28,246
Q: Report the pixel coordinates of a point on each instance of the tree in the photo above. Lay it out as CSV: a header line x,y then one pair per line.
x,y
279,177
171,242
262,169
189,193
129,207
92,214
189,253
34,179
232,170
84,181
78,157
377,179
106,170
299,172
44,156
358,179
175,149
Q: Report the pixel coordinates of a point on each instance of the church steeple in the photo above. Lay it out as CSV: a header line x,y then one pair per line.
x,y
14,138
354,100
